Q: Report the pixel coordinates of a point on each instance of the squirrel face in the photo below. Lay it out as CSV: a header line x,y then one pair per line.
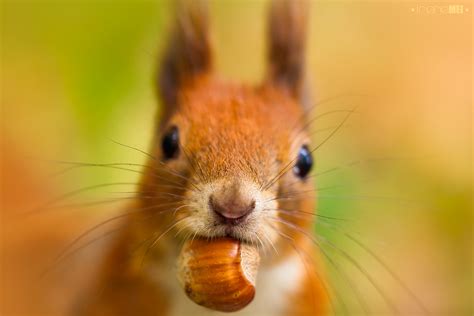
x,y
231,142
231,160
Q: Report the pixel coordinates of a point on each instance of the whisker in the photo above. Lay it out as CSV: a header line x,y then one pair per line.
x,y
117,166
88,204
359,162
76,164
270,242
134,148
387,268
285,169
180,207
261,243
345,255
157,239
345,277
95,227
69,254
154,186
302,192
114,200
402,201
135,249
325,102
324,129
75,192
335,130
303,213
140,194
311,121
321,280
166,168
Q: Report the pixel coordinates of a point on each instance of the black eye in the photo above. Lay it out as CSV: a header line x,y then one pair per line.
x,y
170,143
303,163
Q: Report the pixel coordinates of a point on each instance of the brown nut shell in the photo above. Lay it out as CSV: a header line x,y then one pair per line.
x,y
219,274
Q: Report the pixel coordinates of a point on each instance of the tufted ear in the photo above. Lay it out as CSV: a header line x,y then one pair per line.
x,y
287,28
188,53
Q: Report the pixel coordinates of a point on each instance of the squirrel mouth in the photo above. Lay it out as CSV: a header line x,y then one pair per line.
x,y
229,231
236,232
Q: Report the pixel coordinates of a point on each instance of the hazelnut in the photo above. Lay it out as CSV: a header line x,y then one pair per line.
x,y
219,274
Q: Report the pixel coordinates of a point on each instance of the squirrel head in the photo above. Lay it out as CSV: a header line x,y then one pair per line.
x,y
230,159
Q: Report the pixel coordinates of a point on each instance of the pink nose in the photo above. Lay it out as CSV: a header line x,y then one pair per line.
x,y
231,210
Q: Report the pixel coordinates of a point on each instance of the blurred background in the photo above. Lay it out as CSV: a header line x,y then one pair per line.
x,y
77,77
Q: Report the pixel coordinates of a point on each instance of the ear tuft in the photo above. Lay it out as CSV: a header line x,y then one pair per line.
x,y
287,30
188,54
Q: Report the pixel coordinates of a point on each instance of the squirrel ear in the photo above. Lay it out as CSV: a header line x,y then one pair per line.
x,y
287,26
188,53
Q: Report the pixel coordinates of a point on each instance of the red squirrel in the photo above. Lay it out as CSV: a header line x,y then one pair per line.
x,y
227,162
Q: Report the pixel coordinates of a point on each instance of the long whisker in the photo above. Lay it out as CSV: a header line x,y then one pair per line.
x,y
357,162
135,249
302,192
134,148
95,227
325,221
76,164
344,254
119,166
77,191
151,194
324,129
345,277
264,248
157,239
270,242
88,204
308,111
418,302
321,281
339,271
311,121
303,213
115,200
71,253
347,257
166,168
285,168
335,130
403,202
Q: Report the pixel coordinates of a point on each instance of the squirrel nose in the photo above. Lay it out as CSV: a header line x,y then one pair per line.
x,y
231,210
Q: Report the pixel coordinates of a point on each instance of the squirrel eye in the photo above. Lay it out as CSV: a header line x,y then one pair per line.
x,y
304,162
170,143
